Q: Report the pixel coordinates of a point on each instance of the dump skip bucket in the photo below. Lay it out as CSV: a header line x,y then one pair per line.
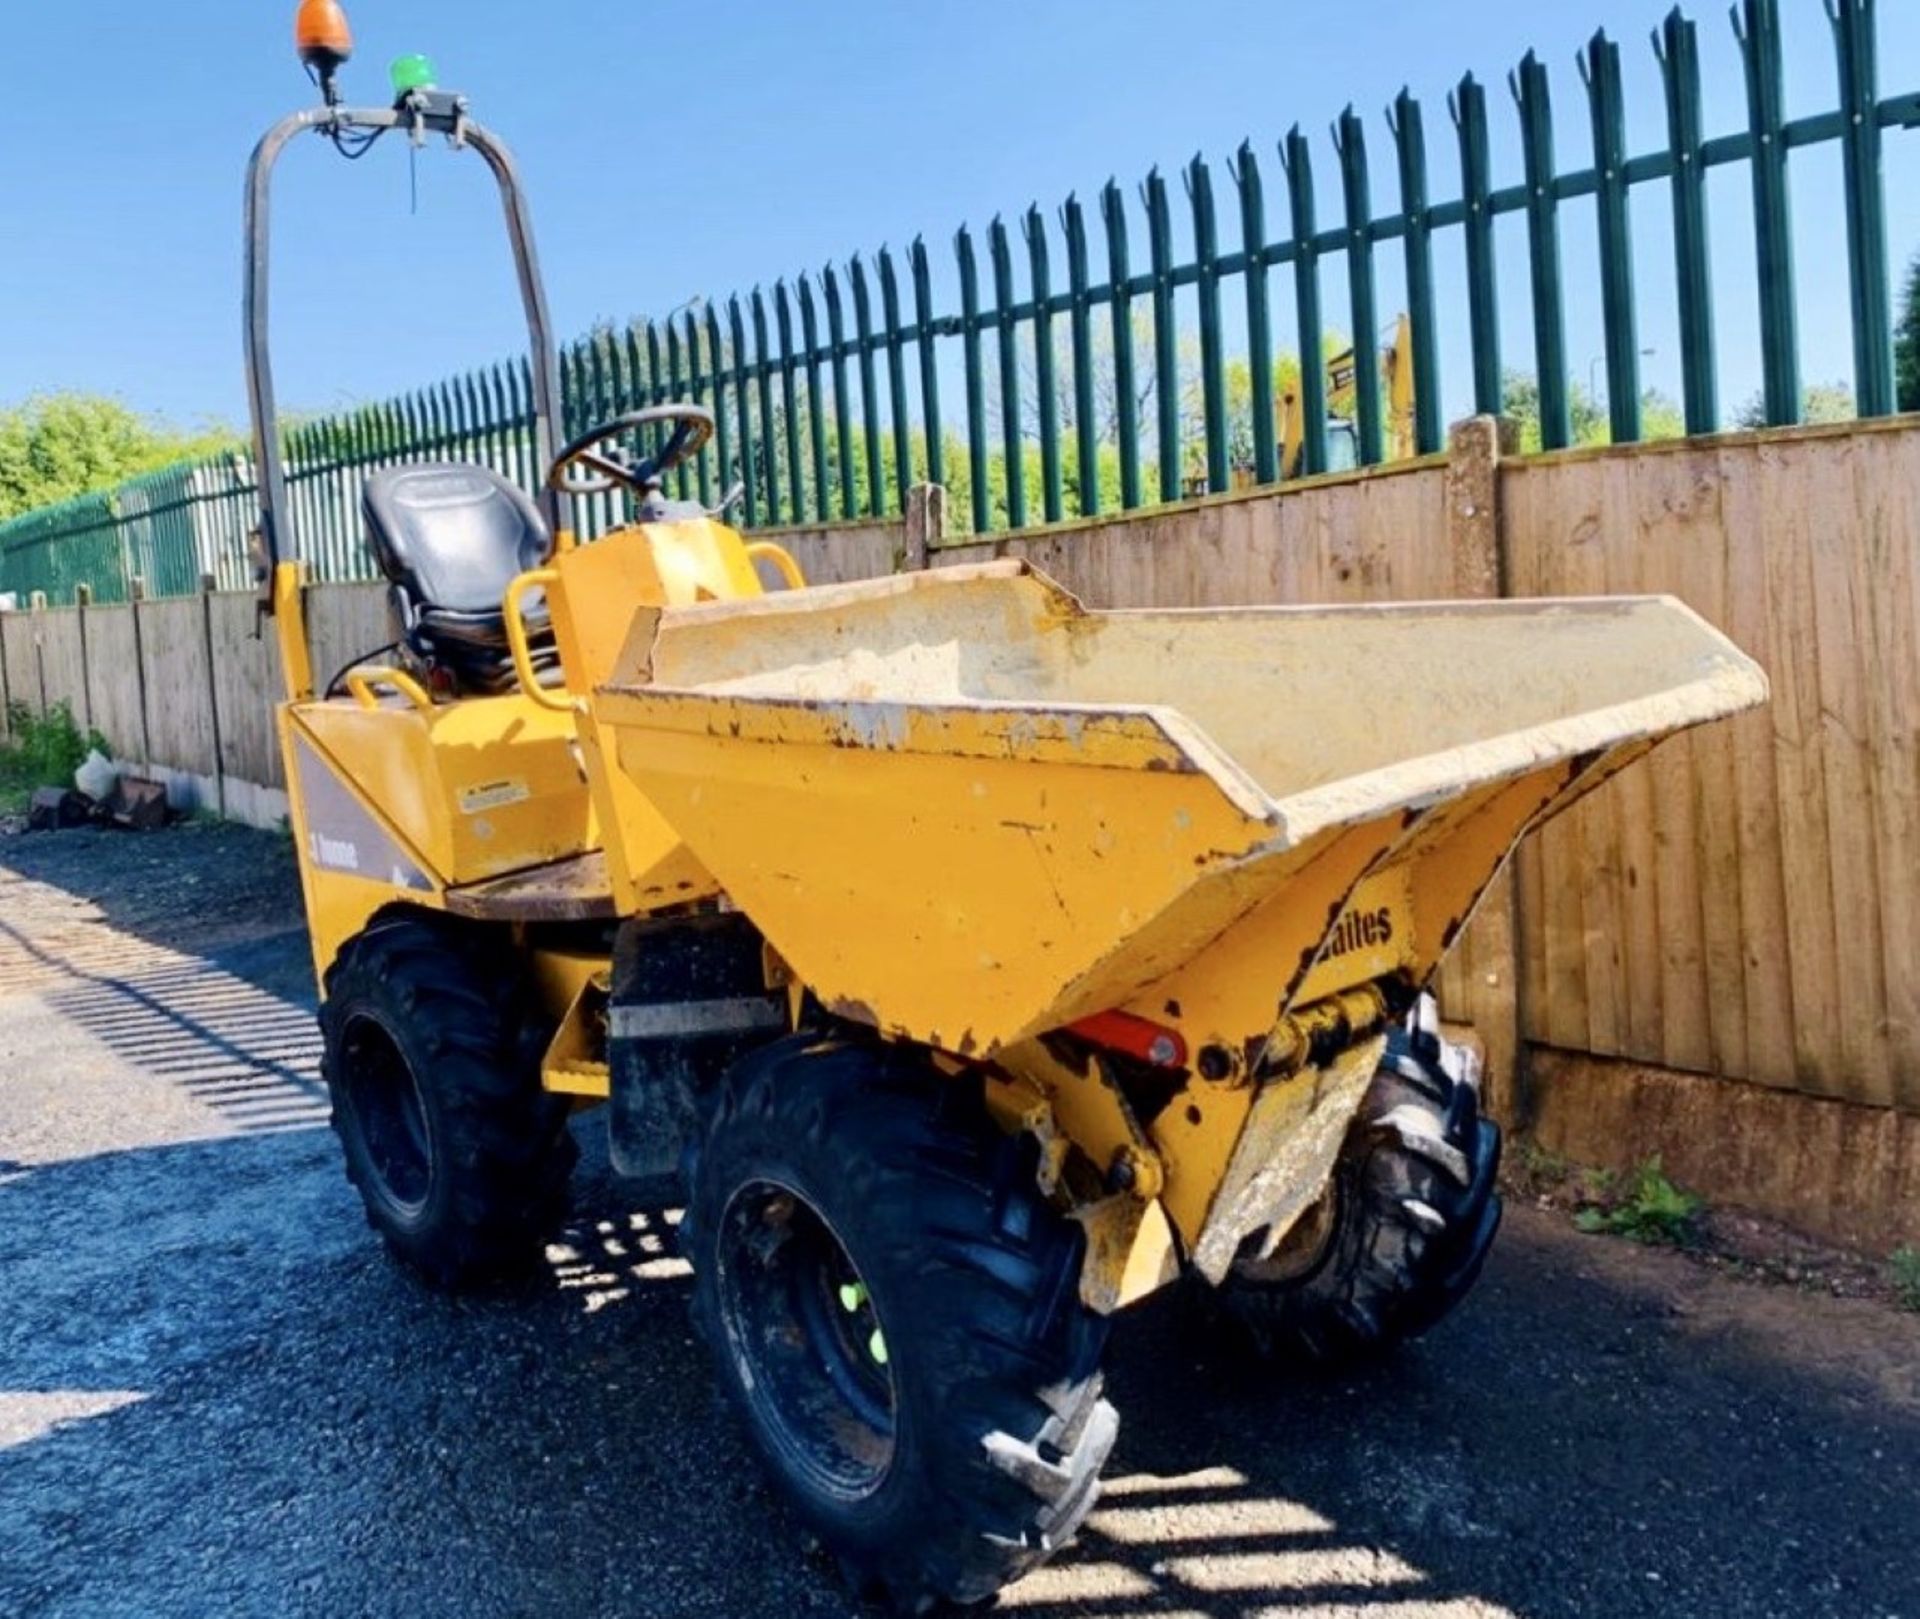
x,y
967,810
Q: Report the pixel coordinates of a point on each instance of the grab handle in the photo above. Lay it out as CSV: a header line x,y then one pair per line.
x,y
360,684
781,558
523,669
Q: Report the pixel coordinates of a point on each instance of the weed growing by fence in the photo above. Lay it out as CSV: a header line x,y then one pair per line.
x,y
1649,1208
1903,1269
45,750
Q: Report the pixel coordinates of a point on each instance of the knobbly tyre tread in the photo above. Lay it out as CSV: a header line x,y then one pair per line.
x,y
1002,1429
502,1152
1417,1214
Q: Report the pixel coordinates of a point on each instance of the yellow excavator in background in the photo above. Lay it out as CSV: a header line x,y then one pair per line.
x,y
1343,375
1343,439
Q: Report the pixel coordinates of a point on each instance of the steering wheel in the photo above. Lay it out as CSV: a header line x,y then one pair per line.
x,y
692,427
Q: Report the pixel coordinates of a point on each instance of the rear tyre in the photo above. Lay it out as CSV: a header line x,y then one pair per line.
x,y
430,1052
894,1311
1407,1223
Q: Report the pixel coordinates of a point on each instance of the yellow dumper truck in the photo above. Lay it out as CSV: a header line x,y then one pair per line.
x,y
970,964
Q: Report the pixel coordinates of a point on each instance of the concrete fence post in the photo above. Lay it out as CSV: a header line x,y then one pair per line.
x,y
1474,451
1492,956
926,524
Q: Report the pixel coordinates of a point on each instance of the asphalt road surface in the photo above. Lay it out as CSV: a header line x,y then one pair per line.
x,y
217,1397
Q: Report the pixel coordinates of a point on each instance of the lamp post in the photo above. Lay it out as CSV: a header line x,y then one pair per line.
x,y
1593,374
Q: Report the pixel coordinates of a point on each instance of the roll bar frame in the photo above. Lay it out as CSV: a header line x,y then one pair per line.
x,y
420,113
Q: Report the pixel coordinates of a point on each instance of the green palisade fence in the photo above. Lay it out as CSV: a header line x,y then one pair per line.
x,y
1094,380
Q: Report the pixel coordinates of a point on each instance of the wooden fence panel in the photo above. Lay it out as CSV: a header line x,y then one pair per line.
x,y
114,692
1886,518
834,556
1761,880
346,624
1747,902
19,648
1378,537
173,657
62,664
246,684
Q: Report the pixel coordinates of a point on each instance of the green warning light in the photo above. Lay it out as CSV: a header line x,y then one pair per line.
x,y
411,73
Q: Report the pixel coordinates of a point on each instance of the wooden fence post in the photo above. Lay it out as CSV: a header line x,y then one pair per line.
x,y
207,585
82,600
39,604
6,690
136,594
1492,961
926,523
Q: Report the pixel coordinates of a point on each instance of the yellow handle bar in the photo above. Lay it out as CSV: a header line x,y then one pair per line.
x,y
361,682
781,558
524,671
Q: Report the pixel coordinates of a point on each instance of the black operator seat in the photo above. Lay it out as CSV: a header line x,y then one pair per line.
x,y
450,537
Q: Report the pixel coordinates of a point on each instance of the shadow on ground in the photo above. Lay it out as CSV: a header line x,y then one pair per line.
x,y
233,1030
266,1417
166,961
211,884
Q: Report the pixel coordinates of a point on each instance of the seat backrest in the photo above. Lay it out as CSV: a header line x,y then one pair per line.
x,y
452,535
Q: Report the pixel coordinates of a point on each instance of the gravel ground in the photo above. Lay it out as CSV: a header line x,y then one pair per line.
x,y
217,1397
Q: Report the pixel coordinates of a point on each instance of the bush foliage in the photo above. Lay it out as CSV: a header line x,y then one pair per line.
x,y
42,751
61,445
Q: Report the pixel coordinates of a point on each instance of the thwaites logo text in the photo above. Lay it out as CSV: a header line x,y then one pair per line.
x,y
1360,930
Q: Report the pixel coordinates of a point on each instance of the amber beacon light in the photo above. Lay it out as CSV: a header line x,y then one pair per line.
x,y
323,38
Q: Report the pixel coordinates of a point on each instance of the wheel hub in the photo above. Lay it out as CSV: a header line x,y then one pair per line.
x,y
386,1101
799,1317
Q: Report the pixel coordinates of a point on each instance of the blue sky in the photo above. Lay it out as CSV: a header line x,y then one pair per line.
x,y
673,150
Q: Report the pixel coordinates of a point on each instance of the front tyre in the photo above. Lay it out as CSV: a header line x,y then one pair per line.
x,y
895,1313
1405,1227
431,1060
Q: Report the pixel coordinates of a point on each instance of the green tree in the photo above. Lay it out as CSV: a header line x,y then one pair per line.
x,y
1906,341
60,445
1660,416
1523,405
1820,402
1110,409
